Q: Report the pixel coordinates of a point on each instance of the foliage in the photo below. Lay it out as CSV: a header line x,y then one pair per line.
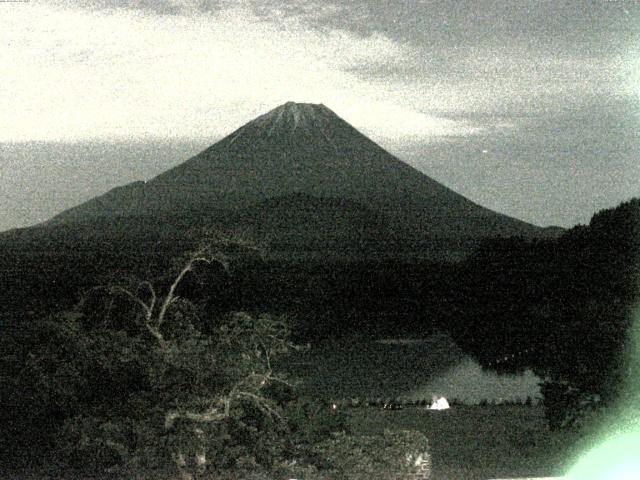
x,y
392,455
560,307
567,406
311,421
178,385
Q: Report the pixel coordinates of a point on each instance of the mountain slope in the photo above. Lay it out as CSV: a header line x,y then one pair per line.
x,y
303,149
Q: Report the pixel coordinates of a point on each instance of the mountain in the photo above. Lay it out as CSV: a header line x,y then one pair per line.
x,y
304,169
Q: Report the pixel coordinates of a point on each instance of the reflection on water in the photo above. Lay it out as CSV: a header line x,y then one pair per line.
x,y
467,381
404,368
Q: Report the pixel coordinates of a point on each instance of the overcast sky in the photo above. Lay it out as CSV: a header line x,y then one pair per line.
x,y
529,108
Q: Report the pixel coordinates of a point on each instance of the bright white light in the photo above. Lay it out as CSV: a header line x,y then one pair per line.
x,y
439,404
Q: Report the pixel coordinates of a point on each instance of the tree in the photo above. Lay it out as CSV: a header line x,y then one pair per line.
x,y
561,307
392,455
199,381
141,374
155,307
141,377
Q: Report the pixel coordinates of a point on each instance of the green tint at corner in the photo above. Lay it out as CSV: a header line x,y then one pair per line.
x,y
617,457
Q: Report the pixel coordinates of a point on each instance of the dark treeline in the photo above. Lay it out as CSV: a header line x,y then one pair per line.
x,y
510,295
561,306
48,270
525,292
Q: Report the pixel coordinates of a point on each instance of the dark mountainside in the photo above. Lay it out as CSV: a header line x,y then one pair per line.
x,y
299,182
305,157
83,367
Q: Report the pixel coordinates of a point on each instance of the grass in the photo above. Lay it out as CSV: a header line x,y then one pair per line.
x,y
477,442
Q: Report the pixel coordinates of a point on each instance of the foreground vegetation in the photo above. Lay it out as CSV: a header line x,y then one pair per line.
x,y
470,442
563,308
466,443
175,373
138,380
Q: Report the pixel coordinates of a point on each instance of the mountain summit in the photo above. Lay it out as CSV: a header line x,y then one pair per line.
x,y
303,155
291,115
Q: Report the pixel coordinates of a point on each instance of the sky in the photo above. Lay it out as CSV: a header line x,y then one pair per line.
x,y
530,108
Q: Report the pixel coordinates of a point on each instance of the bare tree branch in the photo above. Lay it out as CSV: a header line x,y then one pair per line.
x,y
171,297
262,404
145,307
209,416
146,283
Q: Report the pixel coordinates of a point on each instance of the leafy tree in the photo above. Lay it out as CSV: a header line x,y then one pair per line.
x,y
176,388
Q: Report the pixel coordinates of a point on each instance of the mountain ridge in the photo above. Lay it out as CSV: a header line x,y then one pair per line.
x,y
302,148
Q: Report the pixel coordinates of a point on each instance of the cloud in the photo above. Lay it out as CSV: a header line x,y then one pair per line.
x,y
496,56
105,72
167,68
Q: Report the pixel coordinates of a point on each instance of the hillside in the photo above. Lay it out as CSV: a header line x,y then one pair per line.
x,y
306,153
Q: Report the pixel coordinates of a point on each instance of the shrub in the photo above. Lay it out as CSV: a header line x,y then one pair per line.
x,y
311,422
566,406
95,443
389,456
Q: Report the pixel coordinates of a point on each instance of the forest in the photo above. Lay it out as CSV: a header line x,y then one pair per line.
x,y
160,356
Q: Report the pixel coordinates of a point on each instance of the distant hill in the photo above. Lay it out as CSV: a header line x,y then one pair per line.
x,y
304,179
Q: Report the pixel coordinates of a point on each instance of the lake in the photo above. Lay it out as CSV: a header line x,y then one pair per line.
x,y
406,368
